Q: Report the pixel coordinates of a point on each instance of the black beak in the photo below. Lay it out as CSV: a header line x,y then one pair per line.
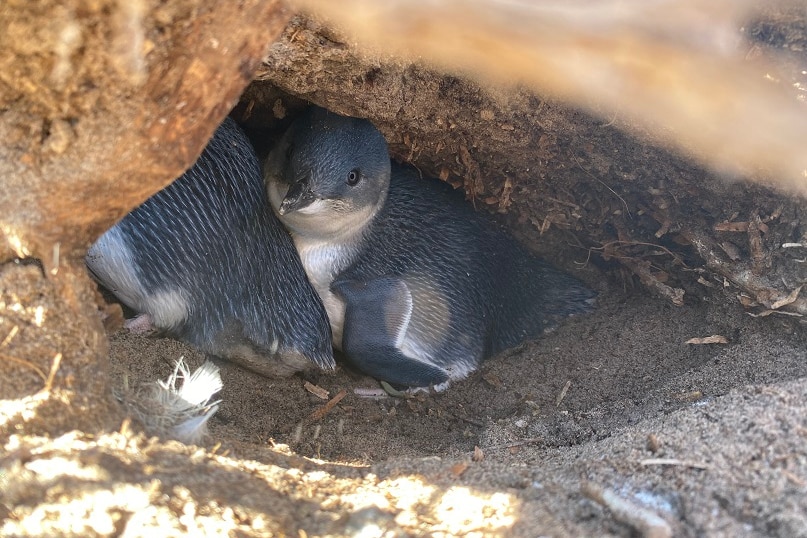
x,y
298,197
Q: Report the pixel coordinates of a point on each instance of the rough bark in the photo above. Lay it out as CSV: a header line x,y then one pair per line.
x,y
620,199
101,105
104,103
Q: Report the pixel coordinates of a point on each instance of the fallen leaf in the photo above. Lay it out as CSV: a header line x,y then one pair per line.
x,y
787,300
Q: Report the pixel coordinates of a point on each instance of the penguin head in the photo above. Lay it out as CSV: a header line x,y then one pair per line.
x,y
329,174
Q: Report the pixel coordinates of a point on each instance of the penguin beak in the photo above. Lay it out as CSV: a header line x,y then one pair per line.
x,y
298,196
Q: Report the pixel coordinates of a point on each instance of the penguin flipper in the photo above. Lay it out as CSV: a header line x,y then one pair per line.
x,y
377,314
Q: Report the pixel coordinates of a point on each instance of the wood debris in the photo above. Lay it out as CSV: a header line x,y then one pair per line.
x,y
714,339
641,268
648,523
458,469
317,391
675,462
742,275
691,396
563,392
325,409
492,379
653,443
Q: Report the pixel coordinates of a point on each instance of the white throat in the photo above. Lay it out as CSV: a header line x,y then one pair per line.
x,y
328,240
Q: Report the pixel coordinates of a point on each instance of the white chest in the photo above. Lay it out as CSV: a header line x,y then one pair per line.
x,y
322,262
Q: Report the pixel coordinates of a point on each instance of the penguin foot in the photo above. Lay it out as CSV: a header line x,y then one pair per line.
x,y
437,389
140,324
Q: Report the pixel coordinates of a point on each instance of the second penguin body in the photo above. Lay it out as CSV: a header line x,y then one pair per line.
x,y
207,260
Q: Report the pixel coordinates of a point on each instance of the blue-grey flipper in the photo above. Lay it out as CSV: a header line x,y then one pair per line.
x,y
377,314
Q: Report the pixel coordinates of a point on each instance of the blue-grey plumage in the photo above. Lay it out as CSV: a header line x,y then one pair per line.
x,y
207,259
419,288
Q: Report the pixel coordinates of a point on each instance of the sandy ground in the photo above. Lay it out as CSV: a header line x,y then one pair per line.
x,y
589,403
700,440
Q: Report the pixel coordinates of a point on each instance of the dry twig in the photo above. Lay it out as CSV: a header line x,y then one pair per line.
x,y
514,444
57,360
649,524
714,339
325,409
25,363
641,269
675,462
563,392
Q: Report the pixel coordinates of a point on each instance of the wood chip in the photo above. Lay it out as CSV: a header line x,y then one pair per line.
x,y
57,360
642,269
10,336
649,524
563,392
492,379
714,339
459,468
675,462
653,443
731,227
739,226
705,282
478,454
504,197
759,257
692,396
325,409
317,391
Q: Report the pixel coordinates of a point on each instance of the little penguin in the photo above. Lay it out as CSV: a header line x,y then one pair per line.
x,y
419,287
209,263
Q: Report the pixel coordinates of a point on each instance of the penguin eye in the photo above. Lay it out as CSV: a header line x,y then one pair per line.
x,y
353,177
